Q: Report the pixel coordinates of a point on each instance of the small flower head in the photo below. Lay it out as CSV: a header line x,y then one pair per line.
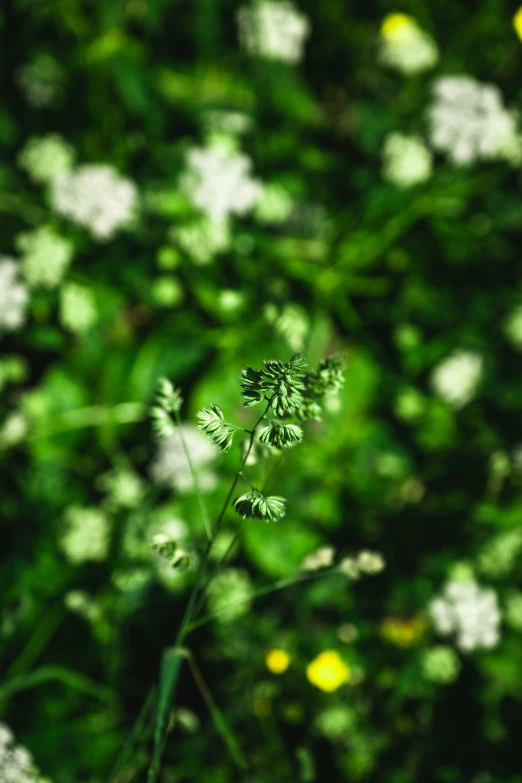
x,y
280,436
211,421
179,556
328,671
370,562
279,382
218,181
95,197
323,558
469,611
456,378
277,661
273,30
257,506
168,402
468,120
404,46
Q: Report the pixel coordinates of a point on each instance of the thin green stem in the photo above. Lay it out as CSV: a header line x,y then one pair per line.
x,y
280,585
168,696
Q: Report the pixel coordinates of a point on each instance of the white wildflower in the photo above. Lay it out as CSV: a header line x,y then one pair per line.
x,y
468,120
468,611
45,157
78,311
456,378
370,562
406,160
13,295
171,467
203,239
218,181
405,47
350,568
273,30
45,256
320,559
96,197
16,763
86,535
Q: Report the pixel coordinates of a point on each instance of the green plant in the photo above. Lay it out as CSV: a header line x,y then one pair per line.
x,y
287,391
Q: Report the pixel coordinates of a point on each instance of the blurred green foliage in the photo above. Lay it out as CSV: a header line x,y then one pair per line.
x,y
424,468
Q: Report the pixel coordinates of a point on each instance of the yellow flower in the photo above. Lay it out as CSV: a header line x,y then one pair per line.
x,y
328,671
517,22
277,661
394,24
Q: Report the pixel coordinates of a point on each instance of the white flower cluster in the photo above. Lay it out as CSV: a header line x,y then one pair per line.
x,y
16,763
468,611
274,30
407,161
405,47
366,563
217,181
456,378
45,157
469,122
96,197
321,559
86,535
45,256
171,466
13,295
